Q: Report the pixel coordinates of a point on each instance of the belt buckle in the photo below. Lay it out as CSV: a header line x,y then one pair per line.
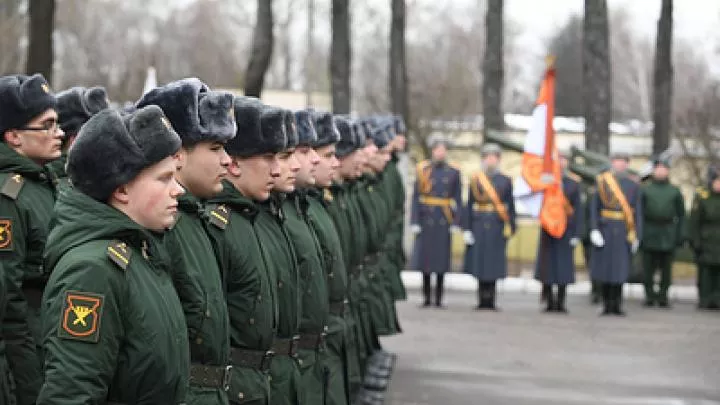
x,y
267,361
226,378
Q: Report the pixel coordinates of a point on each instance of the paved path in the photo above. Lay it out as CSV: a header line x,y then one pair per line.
x,y
520,356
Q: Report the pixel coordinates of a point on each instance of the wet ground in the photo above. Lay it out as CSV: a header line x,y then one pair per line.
x,y
520,356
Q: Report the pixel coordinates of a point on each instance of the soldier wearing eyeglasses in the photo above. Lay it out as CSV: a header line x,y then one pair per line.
x,y
31,138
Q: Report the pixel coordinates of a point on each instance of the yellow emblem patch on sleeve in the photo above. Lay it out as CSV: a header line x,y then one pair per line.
x,y
6,236
81,316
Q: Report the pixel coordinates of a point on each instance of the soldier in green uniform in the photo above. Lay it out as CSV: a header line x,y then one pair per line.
x,y
337,365
282,260
31,138
315,305
114,330
75,106
250,281
663,217
6,394
205,120
704,236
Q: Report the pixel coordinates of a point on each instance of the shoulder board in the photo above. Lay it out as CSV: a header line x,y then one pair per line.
x,y
574,177
119,254
12,186
703,193
219,216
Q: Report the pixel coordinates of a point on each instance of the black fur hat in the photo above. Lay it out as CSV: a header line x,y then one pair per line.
x,y
23,98
272,125
327,131
379,132
111,150
290,129
196,113
348,139
250,139
307,136
360,135
76,105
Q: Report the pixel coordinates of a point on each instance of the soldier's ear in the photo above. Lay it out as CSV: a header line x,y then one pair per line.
x,y
234,168
12,138
120,196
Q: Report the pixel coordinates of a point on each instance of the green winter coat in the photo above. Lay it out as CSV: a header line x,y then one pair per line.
x,y
6,394
198,281
113,325
313,293
250,288
280,256
704,227
27,198
394,189
663,217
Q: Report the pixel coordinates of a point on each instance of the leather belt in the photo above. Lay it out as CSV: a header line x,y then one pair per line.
x,y
338,308
210,376
255,359
612,214
311,341
285,346
484,207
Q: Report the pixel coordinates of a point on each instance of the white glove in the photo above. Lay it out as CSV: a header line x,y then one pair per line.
x,y
415,229
455,229
574,242
635,246
469,238
596,238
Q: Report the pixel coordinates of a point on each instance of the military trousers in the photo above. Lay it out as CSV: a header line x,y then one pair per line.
x,y
654,261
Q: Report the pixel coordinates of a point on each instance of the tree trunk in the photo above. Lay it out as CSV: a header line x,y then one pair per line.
x,y
340,55
398,64
493,68
596,77
40,49
261,50
310,54
663,80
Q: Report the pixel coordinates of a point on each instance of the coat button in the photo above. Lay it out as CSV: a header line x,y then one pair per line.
x,y
331,275
300,362
280,284
252,321
199,340
241,396
207,313
259,298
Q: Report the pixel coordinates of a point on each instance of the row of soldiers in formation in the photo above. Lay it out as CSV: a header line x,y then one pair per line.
x,y
198,248
617,217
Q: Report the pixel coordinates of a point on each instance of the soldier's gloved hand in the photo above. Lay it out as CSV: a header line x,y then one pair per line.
x,y
635,246
574,242
469,238
455,229
596,238
415,229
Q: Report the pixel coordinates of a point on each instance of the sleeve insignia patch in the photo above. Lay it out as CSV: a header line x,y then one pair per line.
x,y
6,236
81,316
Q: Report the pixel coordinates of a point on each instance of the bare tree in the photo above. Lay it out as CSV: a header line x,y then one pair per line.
x,y
567,48
40,50
492,87
261,51
12,28
663,78
596,77
340,57
398,67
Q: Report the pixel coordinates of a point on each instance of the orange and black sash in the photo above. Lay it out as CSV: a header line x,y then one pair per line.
x,y
490,191
628,214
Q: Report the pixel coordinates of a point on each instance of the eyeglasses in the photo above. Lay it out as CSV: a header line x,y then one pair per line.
x,y
49,127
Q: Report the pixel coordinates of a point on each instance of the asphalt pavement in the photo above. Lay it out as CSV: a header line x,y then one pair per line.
x,y
521,356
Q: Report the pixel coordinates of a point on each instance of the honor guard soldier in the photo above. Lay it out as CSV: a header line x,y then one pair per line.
x,y
434,216
616,217
663,223
114,329
204,120
75,106
489,221
704,237
554,264
31,138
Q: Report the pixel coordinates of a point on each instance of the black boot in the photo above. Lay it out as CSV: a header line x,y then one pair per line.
x,y
491,298
617,304
426,289
481,296
607,298
560,304
439,289
548,297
